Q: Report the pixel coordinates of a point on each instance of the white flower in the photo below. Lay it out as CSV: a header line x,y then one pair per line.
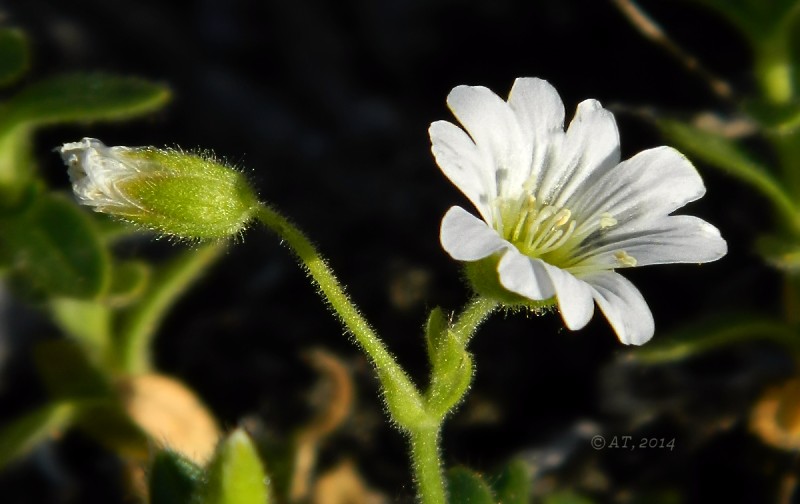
x,y
560,211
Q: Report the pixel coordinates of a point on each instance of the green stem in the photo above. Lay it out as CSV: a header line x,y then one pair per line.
x,y
139,326
404,400
427,465
474,314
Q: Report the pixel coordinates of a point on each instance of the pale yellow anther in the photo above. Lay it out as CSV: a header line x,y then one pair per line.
x,y
563,217
607,220
625,259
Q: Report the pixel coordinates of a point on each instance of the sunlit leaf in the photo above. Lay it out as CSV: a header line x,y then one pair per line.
x,y
84,97
14,55
236,474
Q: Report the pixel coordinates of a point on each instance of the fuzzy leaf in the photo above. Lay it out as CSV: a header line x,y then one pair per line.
x,y
55,247
467,487
14,55
236,475
173,479
513,484
84,97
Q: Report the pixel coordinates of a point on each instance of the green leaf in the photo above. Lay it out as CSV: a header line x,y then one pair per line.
x,y
513,484
16,165
26,432
718,332
68,372
14,55
467,487
727,155
173,479
106,422
236,475
55,247
452,366
83,98
89,322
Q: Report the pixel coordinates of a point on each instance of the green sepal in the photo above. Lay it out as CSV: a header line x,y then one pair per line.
x,y
718,332
451,364
55,248
83,98
513,484
173,479
28,431
465,486
236,474
485,281
14,55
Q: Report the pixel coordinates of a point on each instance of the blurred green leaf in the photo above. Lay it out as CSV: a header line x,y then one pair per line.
x,y
109,424
724,153
173,479
55,247
16,165
513,484
236,475
82,98
467,487
721,331
14,55
68,372
26,432
89,322
755,19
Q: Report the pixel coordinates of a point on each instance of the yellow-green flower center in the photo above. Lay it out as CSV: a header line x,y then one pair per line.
x,y
535,229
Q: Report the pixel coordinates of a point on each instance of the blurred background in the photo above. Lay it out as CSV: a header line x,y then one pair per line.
x,y
326,106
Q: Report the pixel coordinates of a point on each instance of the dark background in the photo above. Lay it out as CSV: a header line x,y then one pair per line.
x,y
326,105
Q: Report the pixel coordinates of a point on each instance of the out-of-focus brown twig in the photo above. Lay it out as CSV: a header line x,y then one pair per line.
x,y
338,402
650,29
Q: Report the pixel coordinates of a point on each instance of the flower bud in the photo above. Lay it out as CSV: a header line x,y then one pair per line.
x,y
172,192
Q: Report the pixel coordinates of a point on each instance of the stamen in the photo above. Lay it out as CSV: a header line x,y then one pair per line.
x,y
607,220
625,259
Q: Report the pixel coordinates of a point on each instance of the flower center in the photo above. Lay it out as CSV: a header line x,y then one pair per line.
x,y
534,229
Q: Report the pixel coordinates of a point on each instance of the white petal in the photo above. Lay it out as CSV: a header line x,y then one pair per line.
x,y
672,239
467,238
590,149
574,297
493,127
540,115
648,186
525,276
460,161
623,306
